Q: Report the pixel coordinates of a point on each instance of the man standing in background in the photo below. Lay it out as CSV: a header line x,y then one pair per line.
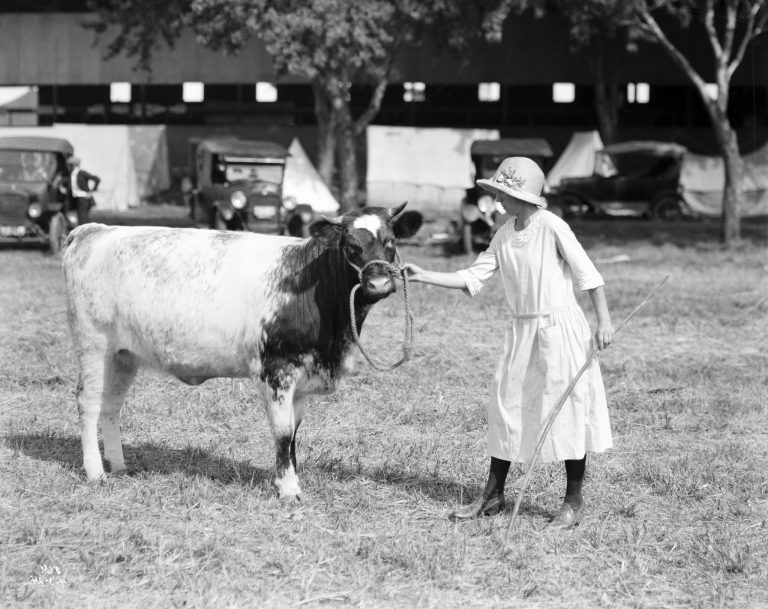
x,y
82,185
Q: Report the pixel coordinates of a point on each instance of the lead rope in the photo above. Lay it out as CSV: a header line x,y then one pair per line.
x,y
408,338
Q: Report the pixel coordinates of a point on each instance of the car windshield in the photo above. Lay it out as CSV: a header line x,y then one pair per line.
x,y
488,165
233,169
27,166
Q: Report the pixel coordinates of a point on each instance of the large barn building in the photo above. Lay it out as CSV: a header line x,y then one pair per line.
x,y
532,84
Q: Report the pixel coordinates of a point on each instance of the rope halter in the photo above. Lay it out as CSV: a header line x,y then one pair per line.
x,y
396,270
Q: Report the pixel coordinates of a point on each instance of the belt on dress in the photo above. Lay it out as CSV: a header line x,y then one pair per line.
x,y
541,313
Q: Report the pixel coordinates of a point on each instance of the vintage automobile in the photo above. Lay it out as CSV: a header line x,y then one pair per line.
x,y
34,203
238,185
636,178
480,217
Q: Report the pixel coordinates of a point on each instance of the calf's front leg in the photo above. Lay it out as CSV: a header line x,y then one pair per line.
x,y
278,403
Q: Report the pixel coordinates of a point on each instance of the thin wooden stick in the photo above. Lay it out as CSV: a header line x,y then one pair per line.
x,y
558,407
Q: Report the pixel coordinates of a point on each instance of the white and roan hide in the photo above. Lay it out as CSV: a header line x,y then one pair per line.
x,y
200,304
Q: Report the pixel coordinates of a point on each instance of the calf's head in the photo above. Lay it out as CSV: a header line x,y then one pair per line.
x,y
365,236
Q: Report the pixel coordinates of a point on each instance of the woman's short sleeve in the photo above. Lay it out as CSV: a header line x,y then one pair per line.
x,y
481,270
583,270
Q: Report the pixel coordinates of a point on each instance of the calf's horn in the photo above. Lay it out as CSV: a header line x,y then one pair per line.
x,y
394,212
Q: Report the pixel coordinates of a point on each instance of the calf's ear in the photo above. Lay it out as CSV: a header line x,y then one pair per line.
x,y
326,230
407,224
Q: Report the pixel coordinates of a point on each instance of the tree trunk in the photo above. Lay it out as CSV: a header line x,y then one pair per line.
x,y
326,135
606,96
347,158
729,147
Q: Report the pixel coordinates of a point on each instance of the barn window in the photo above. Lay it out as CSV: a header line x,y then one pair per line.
x,y
488,92
563,92
120,92
638,93
193,92
414,91
266,92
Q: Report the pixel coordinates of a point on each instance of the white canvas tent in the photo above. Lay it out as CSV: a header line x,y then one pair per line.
x,y
304,183
703,182
110,152
430,168
578,158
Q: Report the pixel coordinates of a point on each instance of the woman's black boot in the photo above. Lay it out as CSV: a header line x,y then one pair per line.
x,y
491,502
573,510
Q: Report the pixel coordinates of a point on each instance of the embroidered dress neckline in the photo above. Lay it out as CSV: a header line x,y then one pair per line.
x,y
518,238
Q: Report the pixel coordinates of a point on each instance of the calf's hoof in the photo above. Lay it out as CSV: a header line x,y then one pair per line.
x,y
291,501
96,478
288,489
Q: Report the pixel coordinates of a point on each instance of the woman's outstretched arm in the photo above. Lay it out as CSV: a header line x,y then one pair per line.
x,y
443,280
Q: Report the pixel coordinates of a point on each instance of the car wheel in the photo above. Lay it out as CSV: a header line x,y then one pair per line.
x,y
467,241
667,208
57,232
571,205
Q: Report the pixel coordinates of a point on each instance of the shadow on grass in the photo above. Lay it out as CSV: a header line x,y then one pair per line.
x,y
140,458
197,462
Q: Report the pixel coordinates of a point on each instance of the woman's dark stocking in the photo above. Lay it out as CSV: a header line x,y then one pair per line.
x,y
574,472
573,509
497,476
491,502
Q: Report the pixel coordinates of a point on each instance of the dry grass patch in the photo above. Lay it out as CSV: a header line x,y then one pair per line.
x,y
678,510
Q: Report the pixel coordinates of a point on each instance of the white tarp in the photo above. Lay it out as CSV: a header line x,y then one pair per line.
x,y
113,152
304,183
429,167
149,149
578,158
703,181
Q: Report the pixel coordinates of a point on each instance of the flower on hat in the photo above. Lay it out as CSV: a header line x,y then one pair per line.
x,y
510,178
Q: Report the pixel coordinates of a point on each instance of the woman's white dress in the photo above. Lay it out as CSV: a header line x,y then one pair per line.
x,y
547,339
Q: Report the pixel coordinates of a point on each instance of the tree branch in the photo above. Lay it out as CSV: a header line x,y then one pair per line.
x,y
755,24
374,103
731,10
709,25
650,26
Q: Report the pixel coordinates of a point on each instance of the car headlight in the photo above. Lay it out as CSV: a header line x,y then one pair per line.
x,y
470,213
72,217
34,210
290,203
485,204
238,199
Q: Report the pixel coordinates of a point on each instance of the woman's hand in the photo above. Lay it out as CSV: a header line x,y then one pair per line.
x,y
604,335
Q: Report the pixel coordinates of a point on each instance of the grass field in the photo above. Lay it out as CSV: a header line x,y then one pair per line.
x,y
678,509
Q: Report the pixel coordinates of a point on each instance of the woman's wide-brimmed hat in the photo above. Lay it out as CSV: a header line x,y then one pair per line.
x,y
519,177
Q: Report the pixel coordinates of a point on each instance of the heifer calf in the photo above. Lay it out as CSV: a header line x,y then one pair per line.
x,y
201,304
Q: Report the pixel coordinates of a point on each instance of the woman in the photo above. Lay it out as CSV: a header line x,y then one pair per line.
x,y
547,340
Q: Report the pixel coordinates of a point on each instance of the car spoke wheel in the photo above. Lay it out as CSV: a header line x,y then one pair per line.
x,y
667,208
57,232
